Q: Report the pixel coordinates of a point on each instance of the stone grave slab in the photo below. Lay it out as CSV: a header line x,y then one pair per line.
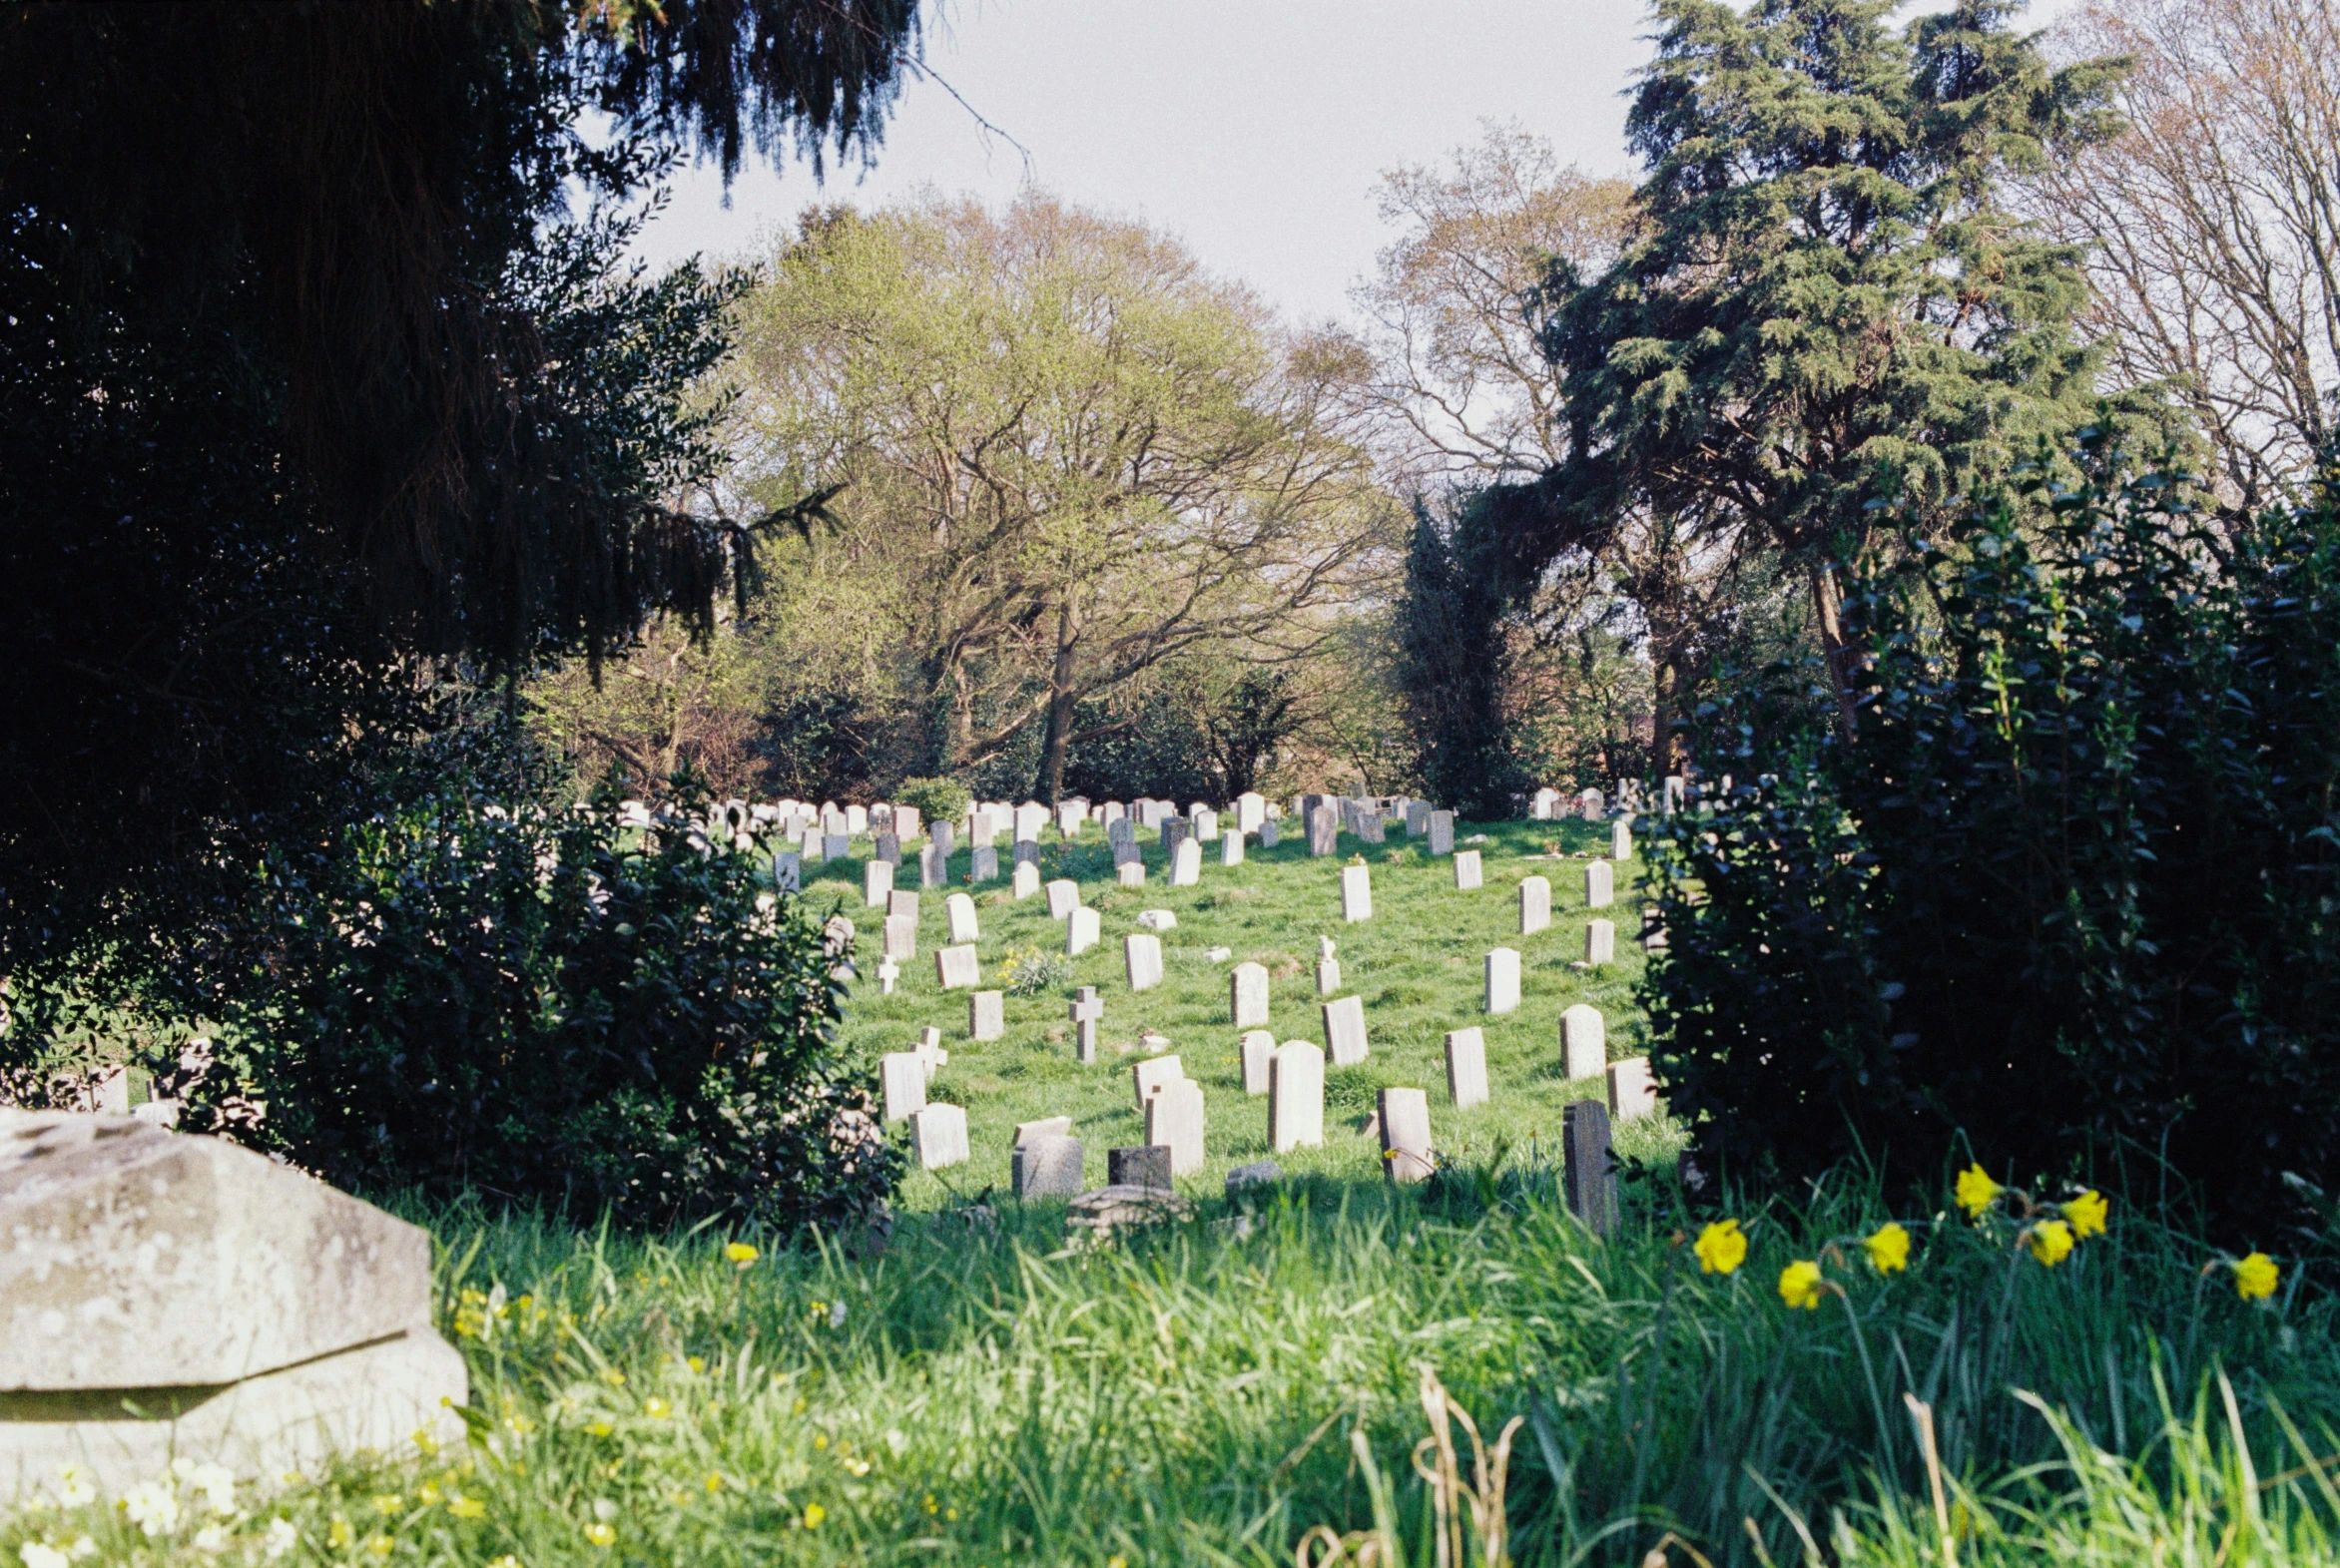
x,y
1588,1171
1356,894
1296,1097
901,1077
986,1015
1141,959
1502,980
1259,1049
1536,906
1583,1041
1344,1030
1174,1121
1600,887
1247,995
876,883
1467,1067
1600,942
1467,873
1027,879
1403,1115
939,1132
1083,930
958,967
1150,1075
1048,1166
1632,1090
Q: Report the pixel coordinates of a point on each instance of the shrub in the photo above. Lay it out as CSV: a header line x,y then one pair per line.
x,y
937,799
2070,889
1036,973
460,997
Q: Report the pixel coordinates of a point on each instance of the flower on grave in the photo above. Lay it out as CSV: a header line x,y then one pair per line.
x,y
1975,1191
341,1535
1722,1247
2255,1276
382,1546
1799,1284
2086,1213
1887,1248
2051,1242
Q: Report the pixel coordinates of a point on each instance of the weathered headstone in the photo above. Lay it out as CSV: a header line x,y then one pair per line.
x,y
1046,1127
902,901
1025,882
1372,824
958,967
1144,1165
1535,904
939,1132
1030,818
1344,1030
1653,931
1324,832
886,847
1328,975
1591,805
889,976
1026,851
902,937
1296,1097
1251,810
1083,931
984,864
1676,788
943,836
1070,814
876,883
1045,1167
1271,833
1467,1067
1632,1091
1600,886
1147,1076
1206,825
1589,1173
1441,833
935,864
788,871
1356,894
1141,960
1416,819
1231,847
1403,1115
1186,864
1174,1121
1583,1041
1260,1173
1600,942
1247,995
1064,898
987,1015
1130,873
1502,980
902,1078
1620,839
1259,1048
963,926
1086,1011
1467,873
1541,808
1175,831
982,828
1158,919
856,820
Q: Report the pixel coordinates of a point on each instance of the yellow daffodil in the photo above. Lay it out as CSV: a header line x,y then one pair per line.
x,y
1887,1248
2087,1214
2255,1276
739,1253
1975,1191
813,1514
1722,1247
2051,1242
601,1535
1799,1284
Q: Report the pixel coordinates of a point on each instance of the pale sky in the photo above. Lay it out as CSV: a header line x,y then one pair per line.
x,y
1253,129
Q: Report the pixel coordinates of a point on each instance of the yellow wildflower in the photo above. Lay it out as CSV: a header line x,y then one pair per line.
x,y
714,1482
1799,1284
341,1535
657,1410
382,1546
1887,1248
2086,1213
813,1514
1975,1191
464,1507
739,1253
505,1561
1722,1247
601,1535
2255,1276
612,1376
820,1439
2051,1242
388,1502
697,1364
600,1428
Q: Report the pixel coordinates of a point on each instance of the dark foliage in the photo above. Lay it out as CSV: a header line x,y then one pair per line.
x,y
1454,659
2068,894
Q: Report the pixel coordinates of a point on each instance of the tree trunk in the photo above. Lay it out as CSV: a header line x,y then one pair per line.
x,y
1834,649
1063,699
1663,680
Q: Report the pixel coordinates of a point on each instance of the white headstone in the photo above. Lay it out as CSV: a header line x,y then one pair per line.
x,y
1535,904
1157,919
1600,885
1231,847
1174,1121
1151,1074
788,871
1296,1097
1600,942
906,821
1025,882
1620,839
1186,863
1247,995
856,820
1083,931
1591,805
1541,808
1344,1030
941,1134
1502,980
1441,833
876,883
1271,833
1583,1041
902,1077
987,1015
1251,810
1467,1067
1356,894
958,968
1328,977
1141,960
902,936
1259,1048
1632,1091
961,910
1064,898
1405,1127
904,901
1130,873
1046,1127
1046,1167
1467,870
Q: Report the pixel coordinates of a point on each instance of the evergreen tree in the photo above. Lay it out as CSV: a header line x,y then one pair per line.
x,y
1454,663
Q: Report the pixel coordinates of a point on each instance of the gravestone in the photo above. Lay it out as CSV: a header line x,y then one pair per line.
x,y
889,976
856,820
1675,789
886,847
939,1132
788,871
1025,882
1372,824
1206,825
817,845
833,818
1064,898
1186,864
1231,847
1653,931
901,937
1589,1172
1030,818
902,1078
876,883
1583,1041
1403,1115
1502,980
962,910
1046,1127
1086,1011
1259,1048
1027,852
1141,960
906,821
1121,838
902,901
1083,931
1541,808
1260,1173
1157,919
1324,832
986,1015
1150,1075
1536,906
1441,833
1356,894
1271,833
1467,1067
1146,1165
1467,874
1251,810
1175,831
1247,995
1591,806
1600,885
1600,942
1045,1167
984,864
1416,819
1130,873
982,828
252,1315
1621,840
1328,975
943,838
1174,1121
1296,1097
1070,814
935,864
958,968
1632,1091
931,1051
1344,1030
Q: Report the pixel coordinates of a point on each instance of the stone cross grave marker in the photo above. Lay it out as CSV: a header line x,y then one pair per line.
x,y
1536,906
1600,886
1259,1049
1632,1091
1174,1121
1344,1030
1141,960
986,1015
1086,1011
1026,880
941,1134
1064,898
1047,1165
1583,1041
1590,1173
1247,995
963,926
1467,1067
1405,1127
958,968
1296,1097
901,1076
1600,942
1151,1074
1083,931
1502,980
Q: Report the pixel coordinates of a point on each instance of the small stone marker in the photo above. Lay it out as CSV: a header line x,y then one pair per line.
x,y
1247,995
1583,1041
1048,1166
1026,880
902,1076
1130,873
1324,832
1219,955
1146,1165
1588,1169
1416,819
1344,1030
1088,1010
984,864
1467,1067
888,975
1600,942
987,1015
1231,847
1536,906
958,968
934,863
1206,825
1403,1115
1141,960
902,937
1621,840
1600,887
1441,833
1271,833
1502,980
788,871
1259,1049
1174,1121
962,910
876,883
1328,975
1356,894
1083,931
1186,864
1064,898
886,847
1046,1127
1157,919
836,846
1260,1173
1632,1091
939,1132
1148,1076
1296,1097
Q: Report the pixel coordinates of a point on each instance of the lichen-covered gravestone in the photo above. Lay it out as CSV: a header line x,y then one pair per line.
x,y
165,1296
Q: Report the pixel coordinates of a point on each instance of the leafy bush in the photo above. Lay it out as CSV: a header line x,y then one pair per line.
x,y
937,799
464,997
1037,972
2070,889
